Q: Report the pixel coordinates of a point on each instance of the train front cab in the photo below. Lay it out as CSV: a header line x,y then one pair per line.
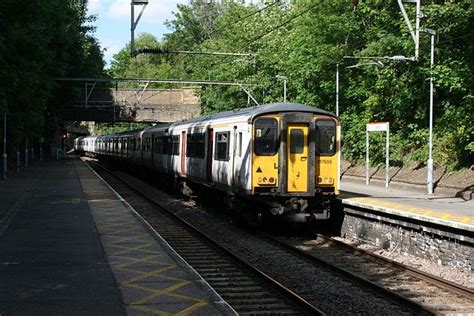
x,y
294,164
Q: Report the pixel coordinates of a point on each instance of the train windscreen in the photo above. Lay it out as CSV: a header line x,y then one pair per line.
x,y
325,137
266,136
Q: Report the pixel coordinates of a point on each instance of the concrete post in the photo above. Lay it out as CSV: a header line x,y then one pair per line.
x,y
367,158
5,156
430,154
17,157
26,152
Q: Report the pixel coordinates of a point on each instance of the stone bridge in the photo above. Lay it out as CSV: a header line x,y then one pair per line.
x,y
133,105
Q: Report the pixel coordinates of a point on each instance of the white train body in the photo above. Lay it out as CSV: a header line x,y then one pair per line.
x,y
283,154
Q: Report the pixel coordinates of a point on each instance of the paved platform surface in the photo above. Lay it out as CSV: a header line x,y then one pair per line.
x,y
449,211
70,246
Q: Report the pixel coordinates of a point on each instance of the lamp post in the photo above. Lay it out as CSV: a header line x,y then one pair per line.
x,y
430,142
284,78
4,173
337,90
339,131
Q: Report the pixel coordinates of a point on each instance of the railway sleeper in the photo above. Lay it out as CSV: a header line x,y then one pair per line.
x,y
273,308
246,295
281,312
248,289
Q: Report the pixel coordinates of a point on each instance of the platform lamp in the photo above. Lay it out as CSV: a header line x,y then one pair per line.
x,y
134,23
430,140
4,173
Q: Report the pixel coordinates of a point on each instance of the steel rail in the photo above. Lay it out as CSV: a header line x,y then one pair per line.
x,y
418,308
313,310
445,284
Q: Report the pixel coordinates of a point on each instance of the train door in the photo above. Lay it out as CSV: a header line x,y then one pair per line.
x,y
183,153
234,155
152,150
210,143
297,157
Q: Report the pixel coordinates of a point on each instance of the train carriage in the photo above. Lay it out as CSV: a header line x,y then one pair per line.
x,y
282,155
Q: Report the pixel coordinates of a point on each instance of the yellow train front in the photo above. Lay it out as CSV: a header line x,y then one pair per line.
x,y
295,163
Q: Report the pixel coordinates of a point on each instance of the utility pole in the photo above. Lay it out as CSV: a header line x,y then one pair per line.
x,y
17,156
26,152
430,144
133,23
5,145
338,129
415,34
337,90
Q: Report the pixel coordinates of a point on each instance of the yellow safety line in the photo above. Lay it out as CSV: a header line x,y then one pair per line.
x,y
414,209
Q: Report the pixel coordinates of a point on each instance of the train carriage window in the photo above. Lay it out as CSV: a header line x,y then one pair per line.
x,y
325,137
240,145
167,145
195,145
158,147
222,146
175,145
266,136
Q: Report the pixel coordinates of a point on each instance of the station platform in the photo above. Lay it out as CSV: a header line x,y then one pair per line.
x,y
70,245
453,212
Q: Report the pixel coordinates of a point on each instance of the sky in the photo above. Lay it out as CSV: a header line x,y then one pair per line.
x,y
113,21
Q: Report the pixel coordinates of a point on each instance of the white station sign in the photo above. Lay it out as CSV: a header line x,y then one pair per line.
x,y
378,127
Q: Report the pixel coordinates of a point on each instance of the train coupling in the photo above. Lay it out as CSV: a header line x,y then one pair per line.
x,y
293,205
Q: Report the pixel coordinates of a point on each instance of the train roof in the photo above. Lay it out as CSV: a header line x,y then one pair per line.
x,y
254,111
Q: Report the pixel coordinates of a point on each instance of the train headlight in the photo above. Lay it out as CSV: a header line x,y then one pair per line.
x,y
325,180
266,180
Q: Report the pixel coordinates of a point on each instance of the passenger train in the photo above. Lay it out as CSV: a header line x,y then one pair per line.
x,y
278,158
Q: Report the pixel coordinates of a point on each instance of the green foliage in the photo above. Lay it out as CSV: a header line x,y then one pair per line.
x,y
39,41
115,128
304,40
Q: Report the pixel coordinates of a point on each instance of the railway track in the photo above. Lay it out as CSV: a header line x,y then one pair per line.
x,y
248,290
333,288
439,295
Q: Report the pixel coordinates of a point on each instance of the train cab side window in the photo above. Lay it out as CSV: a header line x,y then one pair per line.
x,y
222,146
266,136
325,137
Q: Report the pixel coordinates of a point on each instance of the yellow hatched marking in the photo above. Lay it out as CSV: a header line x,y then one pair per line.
x,y
130,249
144,259
145,275
187,311
146,309
155,293
196,303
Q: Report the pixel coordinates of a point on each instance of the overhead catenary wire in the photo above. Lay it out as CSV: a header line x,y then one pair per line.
x,y
253,40
247,16
455,38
